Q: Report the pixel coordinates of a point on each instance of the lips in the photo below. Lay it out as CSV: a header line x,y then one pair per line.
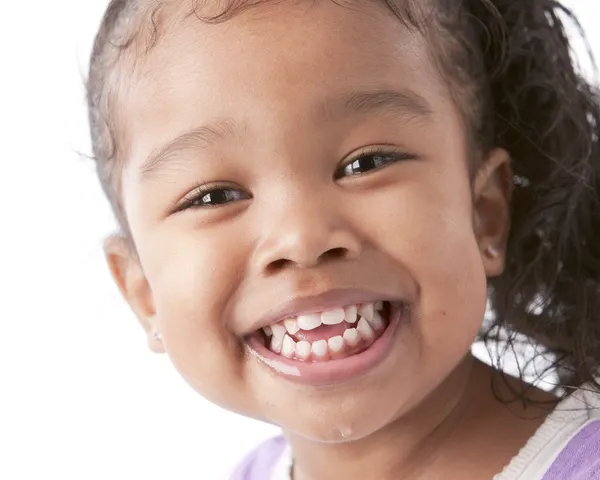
x,y
334,336
331,362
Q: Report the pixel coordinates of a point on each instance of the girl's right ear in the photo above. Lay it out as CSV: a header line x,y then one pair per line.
x,y
133,284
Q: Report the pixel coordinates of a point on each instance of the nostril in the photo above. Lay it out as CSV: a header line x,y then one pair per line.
x,y
334,254
277,265
331,254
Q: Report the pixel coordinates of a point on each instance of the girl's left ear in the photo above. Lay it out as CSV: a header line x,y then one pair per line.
x,y
492,190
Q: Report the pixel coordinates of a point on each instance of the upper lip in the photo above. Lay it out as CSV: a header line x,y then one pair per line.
x,y
317,303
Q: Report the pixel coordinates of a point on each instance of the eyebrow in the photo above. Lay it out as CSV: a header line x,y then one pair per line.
x,y
406,105
200,137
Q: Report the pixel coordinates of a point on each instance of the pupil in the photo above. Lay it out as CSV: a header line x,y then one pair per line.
x,y
367,163
219,196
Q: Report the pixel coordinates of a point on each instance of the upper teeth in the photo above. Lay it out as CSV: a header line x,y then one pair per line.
x,y
306,322
292,326
335,316
278,330
367,311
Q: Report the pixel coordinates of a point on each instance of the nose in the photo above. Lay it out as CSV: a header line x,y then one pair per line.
x,y
303,232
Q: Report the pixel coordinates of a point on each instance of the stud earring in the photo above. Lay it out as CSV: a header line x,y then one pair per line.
x,y
492,252
157,336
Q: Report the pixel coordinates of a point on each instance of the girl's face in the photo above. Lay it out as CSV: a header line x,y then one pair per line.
x,y
332,167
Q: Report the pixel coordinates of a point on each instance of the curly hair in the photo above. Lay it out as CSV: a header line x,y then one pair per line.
x,y
518,87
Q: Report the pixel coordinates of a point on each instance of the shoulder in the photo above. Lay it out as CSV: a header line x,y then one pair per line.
x,y
259,463
579,455
566,446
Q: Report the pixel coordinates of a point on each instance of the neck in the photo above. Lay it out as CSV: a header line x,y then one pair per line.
x,y
413,446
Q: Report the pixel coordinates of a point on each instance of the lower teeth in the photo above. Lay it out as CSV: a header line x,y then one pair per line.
x,y
354,340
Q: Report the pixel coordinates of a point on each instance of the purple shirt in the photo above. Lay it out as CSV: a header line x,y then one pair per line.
x,y
259,464
579,459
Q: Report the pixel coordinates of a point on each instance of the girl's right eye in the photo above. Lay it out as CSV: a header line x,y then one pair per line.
x,y
211,197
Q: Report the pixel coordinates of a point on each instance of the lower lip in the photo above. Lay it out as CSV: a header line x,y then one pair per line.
x,y
331,371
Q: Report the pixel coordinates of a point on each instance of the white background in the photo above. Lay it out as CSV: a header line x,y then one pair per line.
x,y
80,395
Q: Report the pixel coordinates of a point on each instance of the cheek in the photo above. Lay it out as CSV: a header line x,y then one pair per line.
x,y
446,261
449,269
191,287
433,238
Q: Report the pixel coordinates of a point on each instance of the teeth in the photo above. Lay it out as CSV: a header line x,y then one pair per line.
x,y
336,344
309,322
278,330
351,337
276,343
364,329
291,325
377,322
369,319
303,350
289,347
333,317
366,310
351,313
319,348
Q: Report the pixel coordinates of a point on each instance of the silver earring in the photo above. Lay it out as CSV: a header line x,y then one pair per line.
x,y
157,336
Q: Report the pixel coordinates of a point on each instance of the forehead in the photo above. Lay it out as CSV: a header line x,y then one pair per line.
x,y
268,66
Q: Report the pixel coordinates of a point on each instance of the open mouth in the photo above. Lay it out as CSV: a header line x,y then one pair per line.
x,y
328,335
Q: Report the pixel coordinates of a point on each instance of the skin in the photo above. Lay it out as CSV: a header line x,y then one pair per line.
x,y
270,81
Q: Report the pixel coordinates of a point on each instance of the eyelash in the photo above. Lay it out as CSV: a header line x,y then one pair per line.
x,y
201,193
379,156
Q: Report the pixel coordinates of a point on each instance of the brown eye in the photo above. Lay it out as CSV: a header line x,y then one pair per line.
x,y
214,197
367,162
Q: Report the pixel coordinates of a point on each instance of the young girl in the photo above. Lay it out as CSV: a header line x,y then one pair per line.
x,y
318,198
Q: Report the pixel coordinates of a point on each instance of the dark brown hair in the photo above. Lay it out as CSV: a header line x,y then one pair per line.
x,y
515,81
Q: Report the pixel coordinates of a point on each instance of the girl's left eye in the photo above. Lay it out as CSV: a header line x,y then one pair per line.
x,y
371,160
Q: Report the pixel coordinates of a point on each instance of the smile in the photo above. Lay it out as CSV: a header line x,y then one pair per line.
x,y
329,346
328,335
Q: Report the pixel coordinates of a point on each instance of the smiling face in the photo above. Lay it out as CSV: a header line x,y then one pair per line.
x,y
295,159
